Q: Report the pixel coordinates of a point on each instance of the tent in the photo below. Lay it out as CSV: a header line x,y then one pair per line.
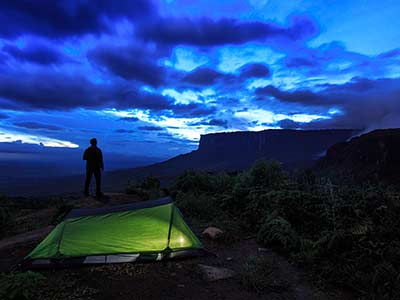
x,y
149,230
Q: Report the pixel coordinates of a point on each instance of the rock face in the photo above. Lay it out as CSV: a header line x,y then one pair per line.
x,y
372,156
237,151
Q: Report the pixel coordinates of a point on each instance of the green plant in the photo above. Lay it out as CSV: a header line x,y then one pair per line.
x,y
201,207
20,285
268,174
277,233
150,183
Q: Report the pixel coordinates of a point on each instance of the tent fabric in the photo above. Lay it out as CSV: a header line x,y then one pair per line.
x,y
139,231
81,212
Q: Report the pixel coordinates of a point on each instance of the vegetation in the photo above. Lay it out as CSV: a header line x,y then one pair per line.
x,y
20,285
149,188
344,234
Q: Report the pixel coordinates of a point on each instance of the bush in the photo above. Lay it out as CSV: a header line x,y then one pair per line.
x,y
150,183
345,234
149,188
277,233
267,174
200,207
20,286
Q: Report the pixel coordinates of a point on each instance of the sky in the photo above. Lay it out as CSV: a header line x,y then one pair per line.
x,y
148,78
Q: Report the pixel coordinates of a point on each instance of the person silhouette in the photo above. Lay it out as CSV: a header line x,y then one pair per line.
x,y
94,166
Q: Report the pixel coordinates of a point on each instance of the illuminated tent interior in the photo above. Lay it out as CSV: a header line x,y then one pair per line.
x,y
150,230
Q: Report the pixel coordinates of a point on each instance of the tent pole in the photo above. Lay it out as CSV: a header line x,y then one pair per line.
x,y
170,226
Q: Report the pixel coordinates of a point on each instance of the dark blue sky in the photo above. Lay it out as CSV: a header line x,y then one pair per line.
x,y
149,77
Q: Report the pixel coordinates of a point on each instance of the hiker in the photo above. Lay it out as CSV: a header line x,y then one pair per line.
x,y
94,166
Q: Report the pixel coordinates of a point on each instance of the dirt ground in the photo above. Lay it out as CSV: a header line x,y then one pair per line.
x,y
178,279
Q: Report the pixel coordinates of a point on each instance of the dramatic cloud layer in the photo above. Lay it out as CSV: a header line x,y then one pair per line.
x,y
57,19
152,76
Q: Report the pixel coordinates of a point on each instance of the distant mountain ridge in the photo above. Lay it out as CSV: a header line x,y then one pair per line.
x,y
371,156
236,151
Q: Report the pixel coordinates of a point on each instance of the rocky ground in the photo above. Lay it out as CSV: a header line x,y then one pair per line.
x,y
239,269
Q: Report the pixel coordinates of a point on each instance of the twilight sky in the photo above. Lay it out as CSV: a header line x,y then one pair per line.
x,y
148,77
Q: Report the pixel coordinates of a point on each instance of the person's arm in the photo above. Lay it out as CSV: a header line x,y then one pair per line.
x,y
85,154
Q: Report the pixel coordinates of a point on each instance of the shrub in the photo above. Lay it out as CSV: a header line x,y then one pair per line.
x,y
201,207
277,233
149,188
267,174
20,286
150,183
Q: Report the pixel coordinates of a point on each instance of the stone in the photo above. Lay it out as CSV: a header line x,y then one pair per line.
x,y
212,233
213,273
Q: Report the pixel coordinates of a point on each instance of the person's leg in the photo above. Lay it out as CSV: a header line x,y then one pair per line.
x,y
89,174
97,176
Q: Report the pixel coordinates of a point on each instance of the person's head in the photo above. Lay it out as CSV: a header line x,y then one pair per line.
x,y
93,142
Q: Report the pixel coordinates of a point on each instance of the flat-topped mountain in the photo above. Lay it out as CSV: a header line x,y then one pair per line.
x,y
239,150
371,156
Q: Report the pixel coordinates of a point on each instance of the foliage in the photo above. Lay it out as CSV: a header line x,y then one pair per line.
x,y
277,233
20,286
149,188
345,234
267,174
198,206
62,209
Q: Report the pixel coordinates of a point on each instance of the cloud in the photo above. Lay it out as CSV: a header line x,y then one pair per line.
x,y
192,110
3,116
35,125
390,54
150,128
206,76
59,19
55,90
254,71
129,119
209,32
289,124
299,96
130,62
124,131
298,62
360,103
213,122
36,52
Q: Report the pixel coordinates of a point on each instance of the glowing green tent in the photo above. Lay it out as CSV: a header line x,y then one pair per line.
x,y
150,230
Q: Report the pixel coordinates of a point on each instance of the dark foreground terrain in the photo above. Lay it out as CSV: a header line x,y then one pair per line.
x,y
257,273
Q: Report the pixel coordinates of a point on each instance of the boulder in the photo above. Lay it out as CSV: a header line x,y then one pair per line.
x,y
212,233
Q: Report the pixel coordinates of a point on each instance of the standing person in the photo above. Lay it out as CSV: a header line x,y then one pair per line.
x,y
94,166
